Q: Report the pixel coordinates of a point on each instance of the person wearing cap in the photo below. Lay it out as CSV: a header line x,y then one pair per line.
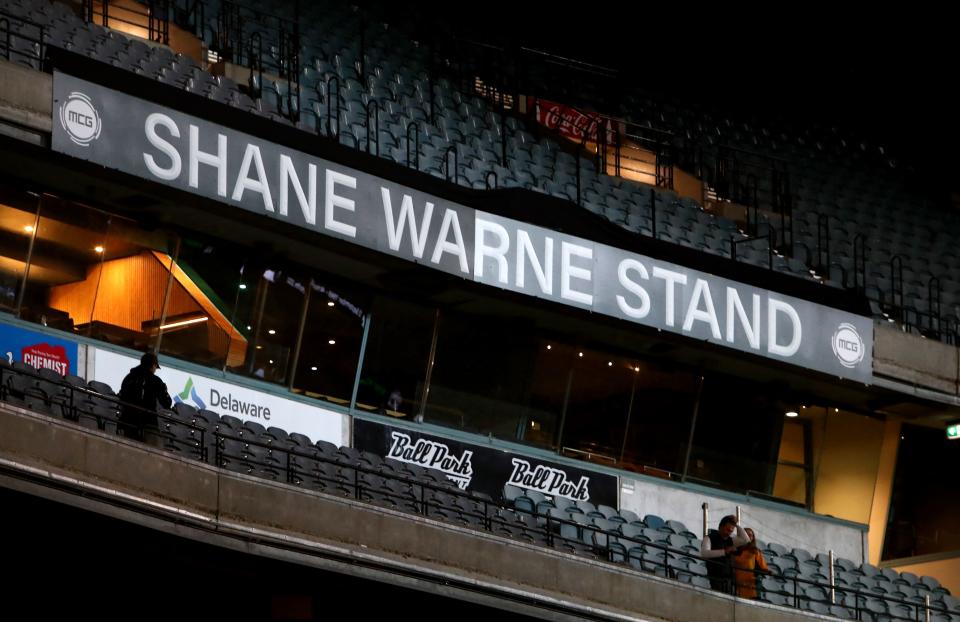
x,y
140,393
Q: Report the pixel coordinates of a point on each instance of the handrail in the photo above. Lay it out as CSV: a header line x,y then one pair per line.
x,y
415,142
351,473
375,107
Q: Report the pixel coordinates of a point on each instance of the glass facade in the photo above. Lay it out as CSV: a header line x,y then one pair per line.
x,y
428,349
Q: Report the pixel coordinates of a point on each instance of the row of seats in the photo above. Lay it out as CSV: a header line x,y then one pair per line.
x,y
651,544
799,578
472,126
401,91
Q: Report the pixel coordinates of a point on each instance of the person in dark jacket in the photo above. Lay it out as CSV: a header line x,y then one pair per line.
x,y
718,548
141,392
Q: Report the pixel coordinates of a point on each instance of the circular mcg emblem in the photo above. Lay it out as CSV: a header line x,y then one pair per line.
x,y
847,345
80,119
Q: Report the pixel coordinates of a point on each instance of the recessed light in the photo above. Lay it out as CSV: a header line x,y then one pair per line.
x,y
330,303
243,286
259,347
609,363
28,228
98,248
249,327
314,368
792,413
580,354
271,332
271,361
332,342
549,347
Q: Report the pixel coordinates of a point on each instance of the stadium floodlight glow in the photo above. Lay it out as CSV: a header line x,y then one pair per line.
x,y
792,414
181,323
953,431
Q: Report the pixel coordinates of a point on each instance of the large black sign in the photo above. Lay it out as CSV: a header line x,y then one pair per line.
x,y
484,469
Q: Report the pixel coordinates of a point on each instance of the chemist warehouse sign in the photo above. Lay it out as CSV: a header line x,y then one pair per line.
x,y
165,146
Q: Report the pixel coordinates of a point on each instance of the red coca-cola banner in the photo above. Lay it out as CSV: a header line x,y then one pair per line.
x,y
570,122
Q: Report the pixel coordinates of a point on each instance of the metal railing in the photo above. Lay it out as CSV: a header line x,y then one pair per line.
x,y
363,477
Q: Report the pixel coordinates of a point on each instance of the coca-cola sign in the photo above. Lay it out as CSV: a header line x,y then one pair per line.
x,y
570,122
485,469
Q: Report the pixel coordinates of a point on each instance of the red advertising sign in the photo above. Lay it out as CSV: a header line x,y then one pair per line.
x,y
45,356
570,122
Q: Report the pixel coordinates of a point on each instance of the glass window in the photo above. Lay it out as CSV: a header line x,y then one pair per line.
x,y
596,415
18,218
735,443
395,361
485,379
273,319
660,418
200,324
926,495
330,350
99,275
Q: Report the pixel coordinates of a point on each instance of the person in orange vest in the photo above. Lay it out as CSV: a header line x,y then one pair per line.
x,y
748,562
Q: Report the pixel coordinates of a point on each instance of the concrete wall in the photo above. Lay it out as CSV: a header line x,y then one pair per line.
x,y
187,493
786,527
26,100
913,360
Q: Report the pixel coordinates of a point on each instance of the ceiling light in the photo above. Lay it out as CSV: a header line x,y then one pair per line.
x,y
549,347
194,320
271,361
609,363
28,228
98,248
259,347
271,332
580,354
314,368
792,413
243,286
330,303
332,342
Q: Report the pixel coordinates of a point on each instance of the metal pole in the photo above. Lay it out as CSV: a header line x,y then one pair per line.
x,y
166,296
626,428
693,426
26,265
926,607
739,514
430,361
363,352
563,412
303,324
706,517
833,592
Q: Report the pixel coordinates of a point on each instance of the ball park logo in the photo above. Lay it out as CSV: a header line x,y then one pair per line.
x,y
847,345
